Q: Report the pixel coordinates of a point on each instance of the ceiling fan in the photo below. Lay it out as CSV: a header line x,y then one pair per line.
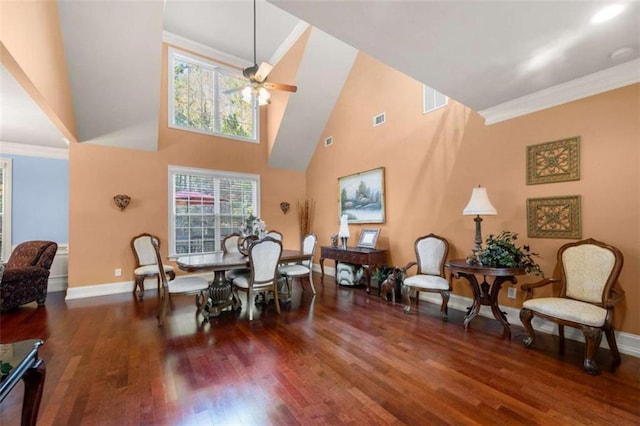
x,y
257,76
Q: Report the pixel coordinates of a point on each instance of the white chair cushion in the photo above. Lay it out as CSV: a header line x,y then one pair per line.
x,y
429,282
234,273
569,310
293,270
241,281
151,270
187,285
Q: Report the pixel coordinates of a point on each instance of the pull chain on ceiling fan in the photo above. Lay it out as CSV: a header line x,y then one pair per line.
x,y
257,76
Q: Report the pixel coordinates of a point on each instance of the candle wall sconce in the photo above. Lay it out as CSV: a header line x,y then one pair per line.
x,y
122,201
284,206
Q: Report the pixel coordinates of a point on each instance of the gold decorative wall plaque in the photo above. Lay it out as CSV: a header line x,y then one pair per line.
x,y
554,217
557,161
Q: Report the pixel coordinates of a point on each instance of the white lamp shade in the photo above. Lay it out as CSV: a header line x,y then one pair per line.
x,y
479,204
344,226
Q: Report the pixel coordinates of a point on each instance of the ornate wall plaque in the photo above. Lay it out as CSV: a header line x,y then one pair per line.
x,y
554,217
557,161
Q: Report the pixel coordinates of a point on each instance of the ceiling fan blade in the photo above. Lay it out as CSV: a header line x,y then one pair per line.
x,y
279,86
263,71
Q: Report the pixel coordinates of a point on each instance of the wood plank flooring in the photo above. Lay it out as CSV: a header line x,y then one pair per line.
x,y
343,357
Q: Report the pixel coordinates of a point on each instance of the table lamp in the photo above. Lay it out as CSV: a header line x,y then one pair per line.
x,y
479,204
343,233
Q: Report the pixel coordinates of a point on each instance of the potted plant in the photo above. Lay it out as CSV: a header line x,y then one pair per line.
x,y
501,251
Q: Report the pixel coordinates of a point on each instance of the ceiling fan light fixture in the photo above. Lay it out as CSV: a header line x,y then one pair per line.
x,y
264,97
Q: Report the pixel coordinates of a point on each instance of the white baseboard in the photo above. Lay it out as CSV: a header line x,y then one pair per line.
x,y
115,288
627,343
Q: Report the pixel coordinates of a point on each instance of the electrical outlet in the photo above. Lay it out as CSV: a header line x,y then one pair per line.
x,y
118,272
511,292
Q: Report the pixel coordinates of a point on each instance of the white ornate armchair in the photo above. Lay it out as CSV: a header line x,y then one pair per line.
x,y
588,271
431,253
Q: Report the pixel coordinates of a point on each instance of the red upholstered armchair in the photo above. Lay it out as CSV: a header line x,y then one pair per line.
x,y
26,274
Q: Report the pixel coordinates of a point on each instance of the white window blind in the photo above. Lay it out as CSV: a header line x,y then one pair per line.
x,y
208,205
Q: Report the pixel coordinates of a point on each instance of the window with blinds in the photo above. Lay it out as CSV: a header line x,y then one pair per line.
x,y
208,205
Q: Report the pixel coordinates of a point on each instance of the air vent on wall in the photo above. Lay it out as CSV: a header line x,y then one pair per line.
x,y
328,141
378,119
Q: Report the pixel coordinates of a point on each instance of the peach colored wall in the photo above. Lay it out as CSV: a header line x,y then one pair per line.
x,y
100,233
432,161
30,32
284,72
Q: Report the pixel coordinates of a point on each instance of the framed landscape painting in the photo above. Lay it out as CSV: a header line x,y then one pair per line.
x,y
361,196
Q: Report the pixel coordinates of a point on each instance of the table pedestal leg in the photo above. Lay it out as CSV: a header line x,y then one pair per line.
x,y
218,297
486,294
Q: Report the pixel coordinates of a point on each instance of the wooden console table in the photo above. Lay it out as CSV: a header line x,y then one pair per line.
x,y
355,255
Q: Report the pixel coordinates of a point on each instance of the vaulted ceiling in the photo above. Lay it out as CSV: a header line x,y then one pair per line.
x,y
501,58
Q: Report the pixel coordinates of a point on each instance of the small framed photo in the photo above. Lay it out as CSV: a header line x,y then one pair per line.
x,y
368,237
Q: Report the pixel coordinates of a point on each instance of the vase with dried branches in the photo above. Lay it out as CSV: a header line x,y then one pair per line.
x,y
305,215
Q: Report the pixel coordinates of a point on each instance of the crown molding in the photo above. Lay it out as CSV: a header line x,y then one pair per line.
x,y
288,42
204,50
34,150
589,85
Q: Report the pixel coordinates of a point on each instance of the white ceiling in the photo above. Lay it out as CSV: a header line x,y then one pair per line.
x,y
485,54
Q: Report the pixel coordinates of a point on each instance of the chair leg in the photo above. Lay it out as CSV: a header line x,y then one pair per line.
x,y
525,317
313,289
275,297
138,288
611,340
445,302
592,337
251,303
561,338
406,298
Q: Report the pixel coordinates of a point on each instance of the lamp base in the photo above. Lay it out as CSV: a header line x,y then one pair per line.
x,y
344,242
478,242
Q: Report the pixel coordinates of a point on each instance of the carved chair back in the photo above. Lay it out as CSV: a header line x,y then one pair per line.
x,y
589,270
143,249
264,256
230,243
431,253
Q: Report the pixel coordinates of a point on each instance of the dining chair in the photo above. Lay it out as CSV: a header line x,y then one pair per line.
x,y
275,235
183,285
588,273
431,253
146,263
301,269
230,245
264,256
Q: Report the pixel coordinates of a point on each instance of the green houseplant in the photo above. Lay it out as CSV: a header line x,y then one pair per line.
x,y
501,251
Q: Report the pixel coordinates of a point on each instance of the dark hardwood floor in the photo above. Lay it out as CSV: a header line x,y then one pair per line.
x,y
342,357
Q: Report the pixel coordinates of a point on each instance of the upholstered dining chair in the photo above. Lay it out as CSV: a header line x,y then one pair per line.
x,y
146,263
230,245
301,269
274,234
264,256
431,253
183,285
588,273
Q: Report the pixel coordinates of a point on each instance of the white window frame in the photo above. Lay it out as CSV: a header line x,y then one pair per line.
x,y
173,53
173,170
428,92
7,174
